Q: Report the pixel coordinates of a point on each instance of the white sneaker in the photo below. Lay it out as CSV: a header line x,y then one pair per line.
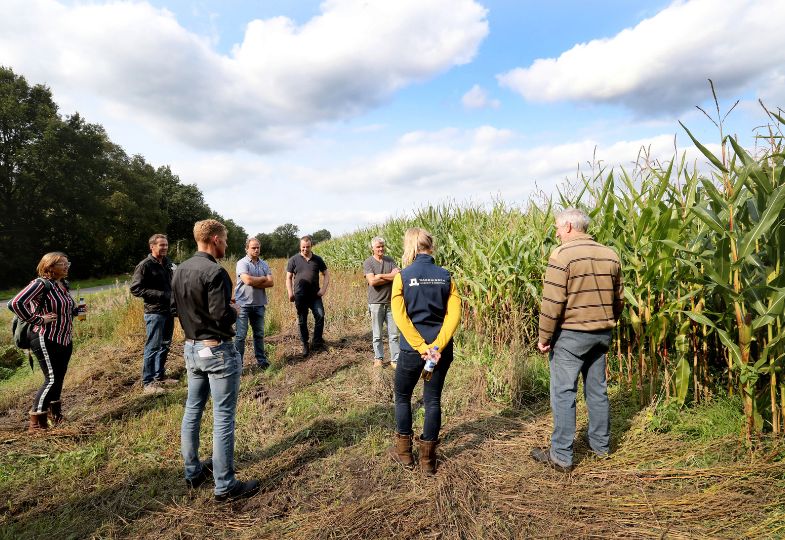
x,y
153,388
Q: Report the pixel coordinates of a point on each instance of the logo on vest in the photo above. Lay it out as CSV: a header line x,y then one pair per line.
x,y
413,282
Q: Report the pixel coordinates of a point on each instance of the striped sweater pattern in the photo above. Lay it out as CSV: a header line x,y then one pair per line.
x,y
582,288
58,301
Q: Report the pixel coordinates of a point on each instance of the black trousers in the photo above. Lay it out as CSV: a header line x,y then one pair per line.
x,y
53,359
407,373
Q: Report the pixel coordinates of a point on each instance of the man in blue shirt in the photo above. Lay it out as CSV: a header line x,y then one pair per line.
x,y
253,279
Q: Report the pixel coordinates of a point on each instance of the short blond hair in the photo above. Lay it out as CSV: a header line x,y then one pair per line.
x,y
207,228
49,261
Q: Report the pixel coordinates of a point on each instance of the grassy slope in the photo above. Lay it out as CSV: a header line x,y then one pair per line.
x,y
315,431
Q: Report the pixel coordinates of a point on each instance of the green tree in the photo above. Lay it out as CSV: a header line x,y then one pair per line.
x,y
321,235
26,114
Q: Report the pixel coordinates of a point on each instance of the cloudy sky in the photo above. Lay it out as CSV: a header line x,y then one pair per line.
x,y
341,113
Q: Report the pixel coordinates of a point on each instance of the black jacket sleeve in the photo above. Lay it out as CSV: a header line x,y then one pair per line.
x,y
140,286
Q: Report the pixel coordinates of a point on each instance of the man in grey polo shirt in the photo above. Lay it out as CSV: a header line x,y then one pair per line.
x,y
379,271
253,279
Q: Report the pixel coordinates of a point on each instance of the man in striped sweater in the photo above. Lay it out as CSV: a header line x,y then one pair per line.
x,y
582,299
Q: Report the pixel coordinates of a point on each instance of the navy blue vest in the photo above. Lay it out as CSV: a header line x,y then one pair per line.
x,y
426,289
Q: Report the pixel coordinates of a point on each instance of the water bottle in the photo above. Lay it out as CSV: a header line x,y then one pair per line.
x,y
430,365
81,309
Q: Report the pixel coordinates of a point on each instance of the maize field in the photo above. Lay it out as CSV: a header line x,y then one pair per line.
x,y
701,250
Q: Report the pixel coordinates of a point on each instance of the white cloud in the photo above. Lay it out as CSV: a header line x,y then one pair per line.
x,y
477,165
662,64
281,79
477,98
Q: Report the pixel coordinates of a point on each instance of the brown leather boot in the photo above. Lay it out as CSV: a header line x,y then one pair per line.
x,y
401,450
38,422
56,412
427,450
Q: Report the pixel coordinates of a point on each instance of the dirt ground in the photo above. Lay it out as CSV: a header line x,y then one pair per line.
x,y
324,473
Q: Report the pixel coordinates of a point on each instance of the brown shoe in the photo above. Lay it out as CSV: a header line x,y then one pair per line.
x,y
377,363
427,450
56,412
168,382
401,450
38,422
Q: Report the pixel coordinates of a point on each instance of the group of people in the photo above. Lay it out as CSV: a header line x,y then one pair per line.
x,y
582,300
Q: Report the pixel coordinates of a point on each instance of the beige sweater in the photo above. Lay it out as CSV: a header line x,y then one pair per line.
x,y
583,288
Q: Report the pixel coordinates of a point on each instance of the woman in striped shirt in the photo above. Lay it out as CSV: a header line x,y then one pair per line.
x,y
48,306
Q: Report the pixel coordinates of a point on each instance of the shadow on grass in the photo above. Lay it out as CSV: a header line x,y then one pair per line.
x,y
318,440
506,425
104,512
625,405
137,405
351,344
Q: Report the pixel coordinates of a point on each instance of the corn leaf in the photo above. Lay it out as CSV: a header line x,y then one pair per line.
x,y
682,378
710,219
705,151
769,217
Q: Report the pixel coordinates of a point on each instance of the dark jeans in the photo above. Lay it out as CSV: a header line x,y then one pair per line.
x,y
53,359
160,327
407,374
303,304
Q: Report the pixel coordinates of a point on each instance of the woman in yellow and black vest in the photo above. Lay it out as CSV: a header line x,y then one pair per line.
x,y
427,310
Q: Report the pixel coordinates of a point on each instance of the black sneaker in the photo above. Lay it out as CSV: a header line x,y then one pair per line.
x,y
306,350
263,365
543,455
242,490
204,475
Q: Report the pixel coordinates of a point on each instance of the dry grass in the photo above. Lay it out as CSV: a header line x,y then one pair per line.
x,y
315,432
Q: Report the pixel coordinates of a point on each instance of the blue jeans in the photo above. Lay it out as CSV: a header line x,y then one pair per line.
x,y
159,328
254,314
573,354
213,373
407,374
303,304
380,313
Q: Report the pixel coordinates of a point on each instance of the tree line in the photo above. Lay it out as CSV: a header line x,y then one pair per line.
x,y
284,241
65,186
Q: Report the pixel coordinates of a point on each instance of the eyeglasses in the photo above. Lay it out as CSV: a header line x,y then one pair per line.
x,y
66,264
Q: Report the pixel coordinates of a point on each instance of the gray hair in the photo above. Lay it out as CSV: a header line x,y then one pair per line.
x,y
377,240
249,240
575,217
154,238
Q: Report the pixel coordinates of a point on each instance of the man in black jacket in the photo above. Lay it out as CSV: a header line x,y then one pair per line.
x,y
152,281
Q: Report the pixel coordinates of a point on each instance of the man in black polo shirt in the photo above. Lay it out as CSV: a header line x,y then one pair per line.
x,y
202,291
302,284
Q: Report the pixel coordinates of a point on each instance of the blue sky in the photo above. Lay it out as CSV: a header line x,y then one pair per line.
x,y
342,113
